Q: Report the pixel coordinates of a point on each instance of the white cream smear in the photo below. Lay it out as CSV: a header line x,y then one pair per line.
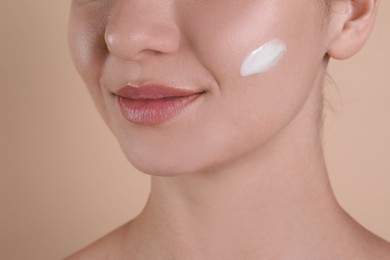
x,y
263,58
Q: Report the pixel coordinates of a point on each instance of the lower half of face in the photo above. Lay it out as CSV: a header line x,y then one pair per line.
x,y
235,114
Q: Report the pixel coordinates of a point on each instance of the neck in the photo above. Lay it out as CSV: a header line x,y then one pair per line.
x,y
239,211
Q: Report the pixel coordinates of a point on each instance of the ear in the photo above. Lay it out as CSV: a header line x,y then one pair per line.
x,y
350,26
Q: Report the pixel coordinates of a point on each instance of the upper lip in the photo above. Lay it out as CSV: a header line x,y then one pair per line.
x,y
153,91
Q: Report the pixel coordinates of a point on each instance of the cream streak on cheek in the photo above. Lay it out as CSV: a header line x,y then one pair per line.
x,y
263,58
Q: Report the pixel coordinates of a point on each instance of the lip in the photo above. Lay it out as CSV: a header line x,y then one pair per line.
x,y
154,104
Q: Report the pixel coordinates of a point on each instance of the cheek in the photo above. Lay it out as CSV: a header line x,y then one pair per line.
x,y
261,104
224,46
86,44
88,50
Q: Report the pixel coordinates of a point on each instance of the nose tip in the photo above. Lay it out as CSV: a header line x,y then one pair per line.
x,y
128,36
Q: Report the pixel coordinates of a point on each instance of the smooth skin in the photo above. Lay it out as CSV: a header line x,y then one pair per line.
x,y
239,174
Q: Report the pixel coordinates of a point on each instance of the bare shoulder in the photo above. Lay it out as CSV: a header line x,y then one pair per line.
x,y
111,246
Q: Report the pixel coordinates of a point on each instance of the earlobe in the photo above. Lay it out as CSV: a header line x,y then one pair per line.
x,y
351,27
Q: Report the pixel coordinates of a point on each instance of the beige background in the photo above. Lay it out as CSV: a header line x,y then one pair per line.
x,y
63,179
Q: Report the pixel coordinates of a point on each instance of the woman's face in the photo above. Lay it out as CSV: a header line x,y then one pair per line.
x,y
199,46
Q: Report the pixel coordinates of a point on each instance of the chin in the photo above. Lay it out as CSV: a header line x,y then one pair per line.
x,y
162,165
180,162
162,169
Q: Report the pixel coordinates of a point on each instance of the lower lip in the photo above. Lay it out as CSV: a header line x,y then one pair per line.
x,y
153,111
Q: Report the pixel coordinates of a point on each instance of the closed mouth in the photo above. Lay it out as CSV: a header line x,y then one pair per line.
x,y
154,104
